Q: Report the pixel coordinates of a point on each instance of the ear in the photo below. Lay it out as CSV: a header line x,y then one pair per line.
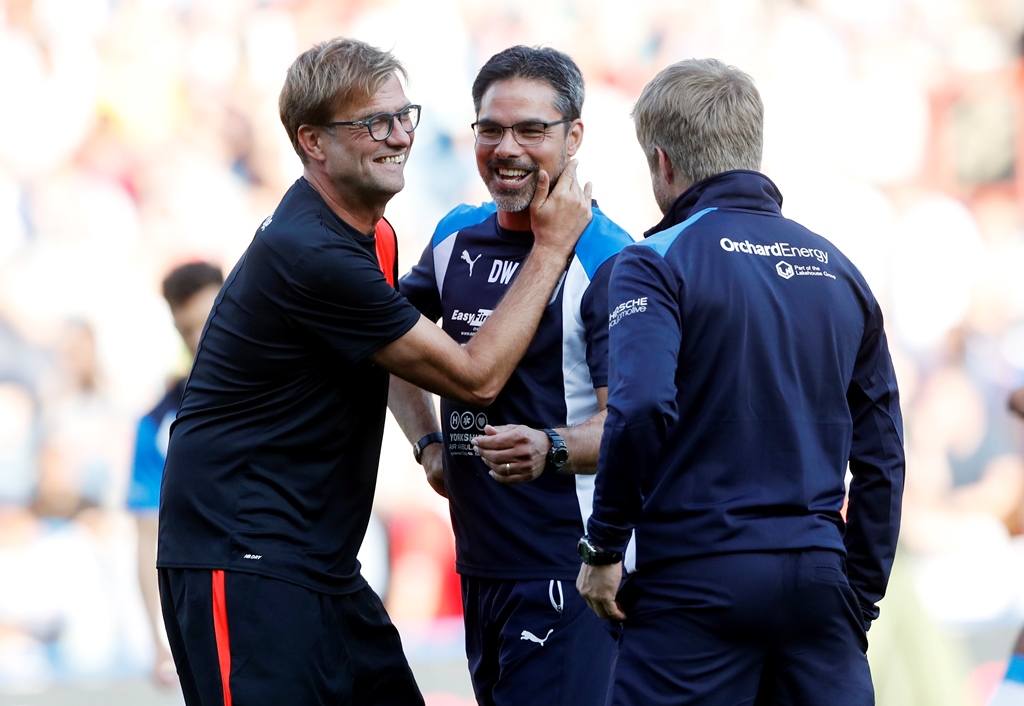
x,y
663,165
575,137
309,140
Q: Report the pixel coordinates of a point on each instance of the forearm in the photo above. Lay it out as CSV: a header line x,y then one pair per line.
x,y
583,442
146,526
475,373
498,346
413,409
627,453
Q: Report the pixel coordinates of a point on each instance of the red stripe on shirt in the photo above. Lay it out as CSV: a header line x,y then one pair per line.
x,y
387,250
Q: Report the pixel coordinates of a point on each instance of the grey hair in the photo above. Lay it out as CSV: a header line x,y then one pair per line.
x,y
707,116
543,64
331,76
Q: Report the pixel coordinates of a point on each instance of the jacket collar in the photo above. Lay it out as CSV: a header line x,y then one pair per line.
x,y
739,188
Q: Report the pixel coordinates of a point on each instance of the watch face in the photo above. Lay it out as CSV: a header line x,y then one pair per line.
x,y
585,549
559,456
594,556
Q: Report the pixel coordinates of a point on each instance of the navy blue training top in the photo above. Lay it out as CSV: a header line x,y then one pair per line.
x,y
273,458
748,366
527,530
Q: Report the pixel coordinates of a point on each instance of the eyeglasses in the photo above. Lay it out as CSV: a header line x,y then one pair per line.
x,y
381,124
525,133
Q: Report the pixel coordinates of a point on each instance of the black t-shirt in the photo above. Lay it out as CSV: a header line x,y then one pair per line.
x,y
273,458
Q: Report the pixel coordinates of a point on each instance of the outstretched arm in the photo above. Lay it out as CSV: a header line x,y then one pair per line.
x,y
475,373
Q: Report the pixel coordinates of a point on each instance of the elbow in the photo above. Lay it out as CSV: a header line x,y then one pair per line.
x,y
477,393
481,397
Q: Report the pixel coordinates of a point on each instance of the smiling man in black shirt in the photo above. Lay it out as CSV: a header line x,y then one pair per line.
x,y
273,458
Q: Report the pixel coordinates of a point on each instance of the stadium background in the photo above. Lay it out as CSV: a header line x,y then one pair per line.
x,y
138,134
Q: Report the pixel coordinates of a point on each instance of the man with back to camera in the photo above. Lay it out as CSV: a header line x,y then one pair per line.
x,y
189,291
748,365
529,638
273,457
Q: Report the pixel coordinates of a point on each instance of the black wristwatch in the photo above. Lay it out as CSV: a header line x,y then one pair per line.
x,y
595,556
558,454
417,448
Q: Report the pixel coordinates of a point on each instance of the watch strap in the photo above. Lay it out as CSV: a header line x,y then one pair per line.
x,y
558,454
595,556
432,438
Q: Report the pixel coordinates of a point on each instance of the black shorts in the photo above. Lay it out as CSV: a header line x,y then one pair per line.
x,y
250,640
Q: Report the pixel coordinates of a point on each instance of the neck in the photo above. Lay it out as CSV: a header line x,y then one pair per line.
x,y
514,220
360,213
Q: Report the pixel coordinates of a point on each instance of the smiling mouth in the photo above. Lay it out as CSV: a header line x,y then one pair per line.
x,y
392,159
511,176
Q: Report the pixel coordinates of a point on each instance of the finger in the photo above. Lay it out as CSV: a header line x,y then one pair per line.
x,y
541,194
588,191
493,442
502,472
570,171
495,465
495,459
492,435
514,479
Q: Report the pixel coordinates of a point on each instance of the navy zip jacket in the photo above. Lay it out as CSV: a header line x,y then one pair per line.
x,y
748,369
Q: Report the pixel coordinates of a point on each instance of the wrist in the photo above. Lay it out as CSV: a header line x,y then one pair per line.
x,y
554,254
593,555
558,452
417,448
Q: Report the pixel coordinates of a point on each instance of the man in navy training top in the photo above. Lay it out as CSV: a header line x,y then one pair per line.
x,y
189,291
518,473
273,457
748,366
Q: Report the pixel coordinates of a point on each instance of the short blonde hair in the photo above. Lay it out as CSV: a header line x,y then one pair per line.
x,y
707,116
331,76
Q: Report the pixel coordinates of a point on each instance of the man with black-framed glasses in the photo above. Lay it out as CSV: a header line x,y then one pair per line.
x,y
516,472
272,460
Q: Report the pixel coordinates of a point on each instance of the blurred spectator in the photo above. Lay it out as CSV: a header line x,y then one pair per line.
x,y
85,444
189,291
55,619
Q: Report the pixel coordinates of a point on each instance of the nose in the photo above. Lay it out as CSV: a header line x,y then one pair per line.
x,y
399,137
508,144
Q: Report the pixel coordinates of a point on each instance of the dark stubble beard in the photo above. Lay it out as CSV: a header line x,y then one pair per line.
x,y
520,199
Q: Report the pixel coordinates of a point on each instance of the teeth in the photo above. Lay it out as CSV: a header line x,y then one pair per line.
x,y
396,159
512,172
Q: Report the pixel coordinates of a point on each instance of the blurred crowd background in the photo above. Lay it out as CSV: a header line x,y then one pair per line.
x,y
136,135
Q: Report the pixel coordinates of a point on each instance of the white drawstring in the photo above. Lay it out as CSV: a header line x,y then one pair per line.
x,y
557,605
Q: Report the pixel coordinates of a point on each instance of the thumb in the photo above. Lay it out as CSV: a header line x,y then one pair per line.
x,y
541,194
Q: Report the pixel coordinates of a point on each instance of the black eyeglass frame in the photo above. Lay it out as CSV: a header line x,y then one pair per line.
x,y
515,134
391,123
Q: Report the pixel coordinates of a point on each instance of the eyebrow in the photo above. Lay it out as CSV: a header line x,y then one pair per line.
x,y
367,116
518,122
